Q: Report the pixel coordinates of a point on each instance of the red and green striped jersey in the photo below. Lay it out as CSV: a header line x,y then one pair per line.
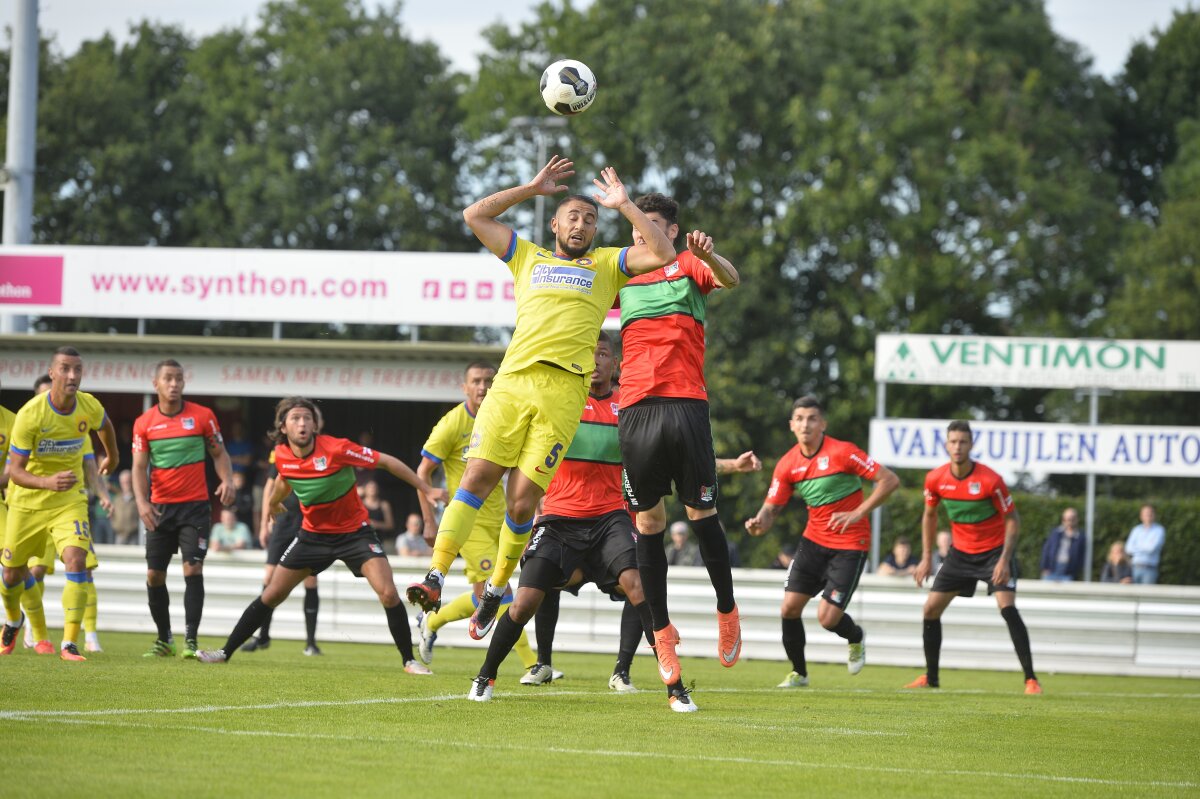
x,y
588,483
976,505
177,444
323,481
829,481
662,331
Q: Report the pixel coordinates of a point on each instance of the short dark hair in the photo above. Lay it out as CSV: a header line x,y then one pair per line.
x,y
164,363
607,339
68,351
960,426
902,539
661,204
808,401
281,411
582,198
479,365
44,380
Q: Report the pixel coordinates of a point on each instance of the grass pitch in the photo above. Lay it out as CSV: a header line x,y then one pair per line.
x,y
351,723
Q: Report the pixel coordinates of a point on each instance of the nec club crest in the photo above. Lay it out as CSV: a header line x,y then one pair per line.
x,y
188,423
319,463
975,488
671,270
616,408
823,462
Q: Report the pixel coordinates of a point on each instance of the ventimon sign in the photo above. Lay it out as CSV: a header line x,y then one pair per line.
x,y
1038,362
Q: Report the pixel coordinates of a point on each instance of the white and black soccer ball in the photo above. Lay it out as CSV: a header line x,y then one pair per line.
x,y
568,87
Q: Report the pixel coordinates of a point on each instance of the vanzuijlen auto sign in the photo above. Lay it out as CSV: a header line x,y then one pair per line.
x,y
1038,362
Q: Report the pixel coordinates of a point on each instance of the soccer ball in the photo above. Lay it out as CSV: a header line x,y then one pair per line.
x,y
568,87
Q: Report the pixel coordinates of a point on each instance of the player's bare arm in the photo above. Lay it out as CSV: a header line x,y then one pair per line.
x,y
96,484
279,492
886,482
425,470
658,251
481,215
224,466
928,537
264,516
400,470
746,462
63,481
764,520
1012,530
700,244
141,490
108,437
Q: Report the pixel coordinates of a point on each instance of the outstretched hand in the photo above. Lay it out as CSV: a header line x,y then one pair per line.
x,y
700,244
612,192
555,170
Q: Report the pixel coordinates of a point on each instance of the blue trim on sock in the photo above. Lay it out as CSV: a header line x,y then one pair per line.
x,y
463,495
77,577
14,585
519,529
30,582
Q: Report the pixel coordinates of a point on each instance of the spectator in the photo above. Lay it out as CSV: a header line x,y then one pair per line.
x,y
681,551
1144,546
241,451
125,513
1116,566
125,441
943,550
784,559
243,500
229,533
1063,554
411,543
379,510
900,562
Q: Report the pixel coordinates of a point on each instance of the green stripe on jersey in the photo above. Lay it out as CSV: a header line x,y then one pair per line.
x,y
827,490
595,442
171,453
650,300
327,488
969,511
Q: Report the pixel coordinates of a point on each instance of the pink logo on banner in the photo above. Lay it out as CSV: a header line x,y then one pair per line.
x,y
31,279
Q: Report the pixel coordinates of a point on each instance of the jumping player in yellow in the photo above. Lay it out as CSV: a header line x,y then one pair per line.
x,y
46,494
446,448
529,417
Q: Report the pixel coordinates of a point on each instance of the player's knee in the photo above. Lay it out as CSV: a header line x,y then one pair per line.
x,y
829,620
523,607
389,597
521,508
156,578
696,514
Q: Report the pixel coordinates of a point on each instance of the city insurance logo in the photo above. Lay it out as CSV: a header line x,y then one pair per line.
x,y
31,279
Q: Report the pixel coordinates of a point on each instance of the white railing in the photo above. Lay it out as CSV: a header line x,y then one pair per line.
x,y
1082,628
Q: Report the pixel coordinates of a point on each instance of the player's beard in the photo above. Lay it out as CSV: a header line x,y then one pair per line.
x,y
573,252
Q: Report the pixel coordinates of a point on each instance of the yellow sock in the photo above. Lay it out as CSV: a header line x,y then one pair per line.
x,y
455,529
461,608
74,602
513,538
89,613
525,651
12,600
35,611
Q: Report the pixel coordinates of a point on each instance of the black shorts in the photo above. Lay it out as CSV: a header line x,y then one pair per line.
x,y
182,527
665,441
318,551
286,528
961,572
602,547
833,573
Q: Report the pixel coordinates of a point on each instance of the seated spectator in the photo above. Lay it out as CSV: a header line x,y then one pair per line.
x,y
243,501
1063,554
784,559
1144,546
379,510
240,449
680,550
411,543
1116,566
900,562
125,513
943,550
229,533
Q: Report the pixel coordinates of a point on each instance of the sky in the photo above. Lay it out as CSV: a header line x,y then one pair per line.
x,y
1105,28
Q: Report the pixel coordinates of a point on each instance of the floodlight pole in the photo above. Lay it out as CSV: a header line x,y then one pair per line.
x,y
22,138
877,514
1089,537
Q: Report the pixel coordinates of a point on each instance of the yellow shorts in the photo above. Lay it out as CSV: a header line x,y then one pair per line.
x,y
34,536
479,552
50,557
529,419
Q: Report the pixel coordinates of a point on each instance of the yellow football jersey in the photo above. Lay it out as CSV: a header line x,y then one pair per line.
x,y
6,424
447,444
560,304
55,441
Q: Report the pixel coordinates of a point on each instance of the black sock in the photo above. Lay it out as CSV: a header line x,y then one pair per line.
x,y
504,637
652,566
1020,639
312,603
631,635
193,604
160,609
932,636
714,549
643,612
398,625
264,633
249,622
847,629
793,644
544,623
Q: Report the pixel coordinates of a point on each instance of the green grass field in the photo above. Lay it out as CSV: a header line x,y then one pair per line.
x,y
276,723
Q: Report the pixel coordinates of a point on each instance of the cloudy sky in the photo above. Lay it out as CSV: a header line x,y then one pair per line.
x,y
1106,28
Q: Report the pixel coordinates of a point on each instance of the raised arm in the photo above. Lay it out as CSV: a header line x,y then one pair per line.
x,y
481,215
886,482
701,245
658,251
399,469
746,462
